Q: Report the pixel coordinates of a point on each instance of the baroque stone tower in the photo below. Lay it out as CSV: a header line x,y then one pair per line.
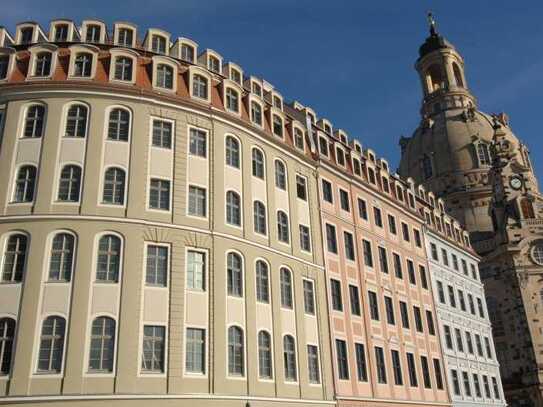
x,y
479,167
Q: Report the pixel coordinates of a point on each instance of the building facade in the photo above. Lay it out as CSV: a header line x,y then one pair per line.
x,y
453,153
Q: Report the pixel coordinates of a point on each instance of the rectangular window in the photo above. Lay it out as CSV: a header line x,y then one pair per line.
x,y
454,261
404,314
418,240
488,348
467,384
433,249
412,369
197,201
383,261
459,341
471,304
196,264
381,367
327,194
496,388
368,256
405,232
361,368
397,368
349,246
397,265
480,307
411,272
476,385
423,280
157,266
469,342
479,345
195,351
313,364
378,217
355,300
323,146
337,302
445,257
448,337
425,372
390,311
362,209
153,349
418,319
486,386
162,133
344,200
456,382
439,377
452,298
392,224
374,306
440,292
464,266
301,188
342,363
430,322
309,297
331,241
305,238
198,143
159,194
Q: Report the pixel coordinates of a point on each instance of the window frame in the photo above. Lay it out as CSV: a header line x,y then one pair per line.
x,y
77,49
158,209
194,71
107,117
35,51
147,245
124,53
159,60
102,201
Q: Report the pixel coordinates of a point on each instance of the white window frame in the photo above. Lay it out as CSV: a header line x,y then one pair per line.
x,y
168,247
116,30
252,98
229,84
34,51
88,337
162,60
296,126
179,47
127,53
197,70
83,48
148,42
85,26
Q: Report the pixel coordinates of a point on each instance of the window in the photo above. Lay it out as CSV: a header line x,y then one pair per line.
x,y
452,298
488,348
232,100
464,267
327,191
197,201
342,361
233,208
397,368
214,64
7,336
323,146
469,342
301,187
199,87
477,385
34,120
483,154
70,184
426,167
235,75
374,306
153,350
422,274
195,354
162,133
164,76
157,266
430,323
309,297
198,143
93,33
412,369
456,383
83,65
418,319
425,372
479,345
467,384
196,270
61,33
371,175
102,345
392,224
397,265
480,307
277,126
340,156
368,256
433,249
234,275
25,184
232,152
448,337
236,352
286,288
381,367
404,314
282,227
280,175
418,241
159,194
76,121
14,259
262,282
109,259
62,254
362,209
440,292
125,37
4,65
158,44
51,345
344,200
487,387
439,377
305,238
114,186
383,260
298,138
313,364
264,355
27,35
378,217
349,246
405,232
258,163
42,65
390,311
119,125
259,217
496,388
123,69
337,301
459,342
256,89
471,304
356,167
331,240
355,300
289,358
256,113
445,257
187,53
454,261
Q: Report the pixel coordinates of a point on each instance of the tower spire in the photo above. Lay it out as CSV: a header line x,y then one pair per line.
x,y
432,23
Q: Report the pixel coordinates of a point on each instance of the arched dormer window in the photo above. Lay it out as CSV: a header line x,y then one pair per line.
x,y
187,52
427,169
158,44
83,61
123,70
231,100
42,63
164,77
434,78
256,113
83,64
200,86
277,125
457,75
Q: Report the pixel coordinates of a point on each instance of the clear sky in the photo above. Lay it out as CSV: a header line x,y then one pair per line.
x,y
351,61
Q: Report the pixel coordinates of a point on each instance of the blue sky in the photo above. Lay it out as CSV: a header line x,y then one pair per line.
x,y
351,61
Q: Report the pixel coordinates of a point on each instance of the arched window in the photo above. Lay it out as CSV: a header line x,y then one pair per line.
x,y
164,76
70,184
435,76
483,154
286,288
234,275
537,253
199,87
83,65
264,355
256,113
62,255
232,152
233,208
7,335
76,121
236,354
109,259
14,259
280,175
259,217
427,167
457,75
258,163
232,100
123,69
119,125
35,116
25,184
51,345
102,345
527,208
289,358
282,227
114,180
42,66
262,282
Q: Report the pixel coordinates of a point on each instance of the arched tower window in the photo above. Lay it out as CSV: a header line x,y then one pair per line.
x,y
457,75
435,76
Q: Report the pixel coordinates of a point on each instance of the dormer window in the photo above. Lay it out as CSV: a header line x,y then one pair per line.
x,y
411,200
187,53
94,32
356,167
4,64
256,113
327,128
372,157
199,87
123,69
61,32
42,66
27,35
214,64
298,138
311,118
277,102
385,166
358,149
235,75
257,89
385,185
158,44
164,76
125,37
83,65
323,146
371,176
343,138
277,126
399,193
232,100
340,156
